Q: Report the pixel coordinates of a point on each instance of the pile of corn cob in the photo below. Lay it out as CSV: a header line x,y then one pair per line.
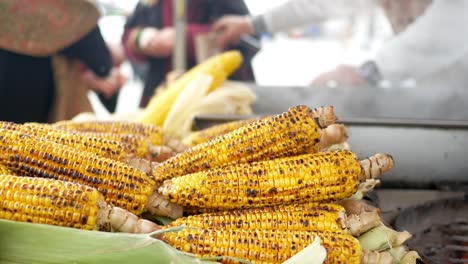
x,y
260,190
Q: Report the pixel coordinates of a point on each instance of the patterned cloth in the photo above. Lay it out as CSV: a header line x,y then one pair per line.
x,y
42,27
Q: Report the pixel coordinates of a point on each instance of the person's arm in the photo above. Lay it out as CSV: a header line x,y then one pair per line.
x,y
296,13
285,17
435,40
92,51
219,8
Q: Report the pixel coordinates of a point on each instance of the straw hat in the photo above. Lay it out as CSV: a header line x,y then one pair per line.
x,y
43,27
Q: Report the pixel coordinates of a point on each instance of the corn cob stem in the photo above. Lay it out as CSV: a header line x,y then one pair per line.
x,y
375,166
357,206
292,133
261,245
160,206
331,135
375,257
365,221
410,258
111,218
325,116
317,177
382,238
55,202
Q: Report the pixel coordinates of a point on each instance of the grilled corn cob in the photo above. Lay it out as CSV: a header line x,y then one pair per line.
x,y
325,116
263,246
103,147
291,133
54,202
209,133
121,185
134,145
135,134
153,134
319,177
294,218
306,217
219,67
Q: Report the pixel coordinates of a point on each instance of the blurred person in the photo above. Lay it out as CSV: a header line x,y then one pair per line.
x,y
45,73
428,45
150,36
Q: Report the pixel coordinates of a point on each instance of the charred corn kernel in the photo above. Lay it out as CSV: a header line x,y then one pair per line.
x,y
291,133
293,218
332,207
47,201
121,185
133,144
207,134
55,202
153,134
219,67
98,145
319,177
263,245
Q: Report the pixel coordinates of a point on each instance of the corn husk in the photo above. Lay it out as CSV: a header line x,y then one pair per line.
x,y
315,253
36,243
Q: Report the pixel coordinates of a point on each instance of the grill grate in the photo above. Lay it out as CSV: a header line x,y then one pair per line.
x,y
440,230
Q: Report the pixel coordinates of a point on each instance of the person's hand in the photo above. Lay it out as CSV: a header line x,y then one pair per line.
x,y
106,86
230,28
343,75
157,43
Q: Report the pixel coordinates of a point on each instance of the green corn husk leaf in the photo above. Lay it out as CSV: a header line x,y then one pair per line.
x,y
36,243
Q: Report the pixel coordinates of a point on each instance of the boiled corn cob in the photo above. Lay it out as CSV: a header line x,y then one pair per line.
x,y
263,246
219,67
207,134
319,177
54,202
121,185
291,133
321,217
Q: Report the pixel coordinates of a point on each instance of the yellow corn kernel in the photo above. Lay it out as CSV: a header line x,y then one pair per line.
x,y
219,67
263,245
46,201
4,170
153,134
291,133
207,134
294,218
121,185
320,177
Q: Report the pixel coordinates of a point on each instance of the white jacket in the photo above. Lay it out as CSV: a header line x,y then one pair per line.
x,y
433,50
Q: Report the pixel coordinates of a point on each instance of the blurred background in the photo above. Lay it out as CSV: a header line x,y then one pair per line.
x,y
292,58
